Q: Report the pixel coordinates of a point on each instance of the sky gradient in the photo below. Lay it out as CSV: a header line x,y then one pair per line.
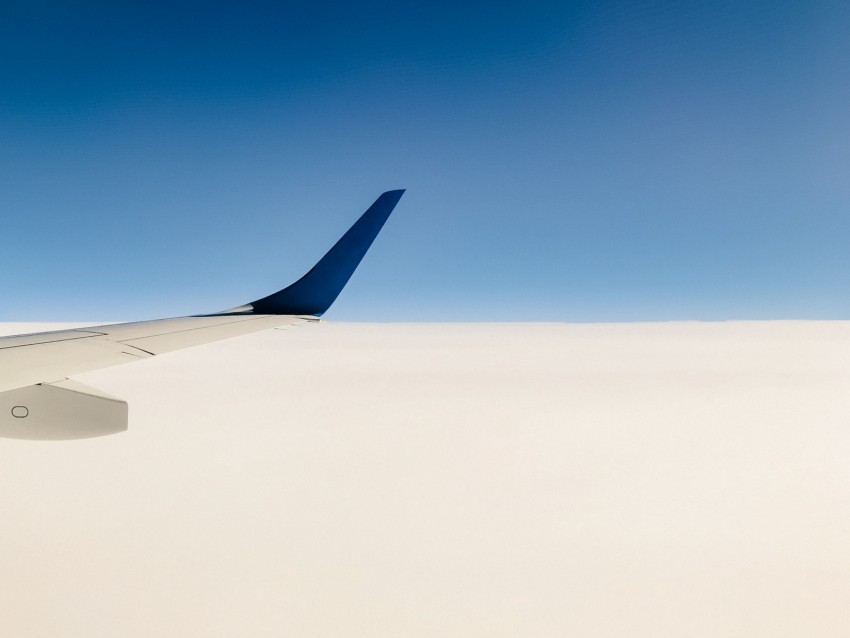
x,y
587,161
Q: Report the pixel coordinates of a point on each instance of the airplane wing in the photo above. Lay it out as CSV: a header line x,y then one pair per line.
x,y
39,401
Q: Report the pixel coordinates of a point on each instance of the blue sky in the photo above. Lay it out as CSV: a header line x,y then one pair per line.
x,y
588,161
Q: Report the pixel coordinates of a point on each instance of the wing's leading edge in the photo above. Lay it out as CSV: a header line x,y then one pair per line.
x,y
29,363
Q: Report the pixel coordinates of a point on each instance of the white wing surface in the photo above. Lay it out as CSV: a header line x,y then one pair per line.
x,y
53,356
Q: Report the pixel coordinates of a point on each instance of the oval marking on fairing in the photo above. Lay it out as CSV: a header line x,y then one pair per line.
x,y
20,412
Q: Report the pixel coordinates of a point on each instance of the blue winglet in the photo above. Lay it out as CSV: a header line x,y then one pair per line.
x,y
314,293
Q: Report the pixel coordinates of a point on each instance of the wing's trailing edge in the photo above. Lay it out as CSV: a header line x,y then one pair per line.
x,y
29,409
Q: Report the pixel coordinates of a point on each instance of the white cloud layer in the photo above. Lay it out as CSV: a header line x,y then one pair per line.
x,y
676,479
